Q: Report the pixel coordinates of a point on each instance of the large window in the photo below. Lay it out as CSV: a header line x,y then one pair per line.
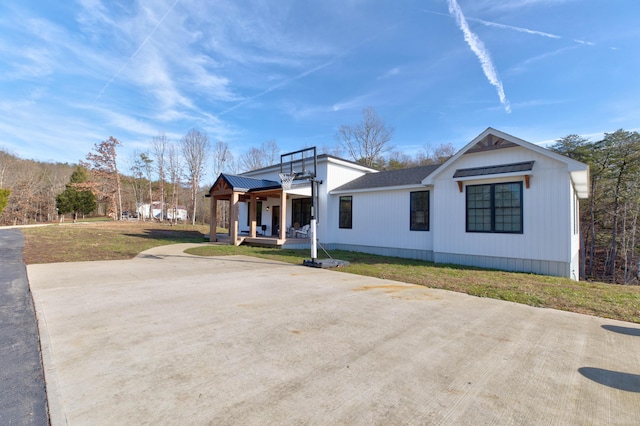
x,y
346,212
301,211
419,211
495,208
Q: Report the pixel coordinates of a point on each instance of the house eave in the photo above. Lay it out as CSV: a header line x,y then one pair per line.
x,y
380,189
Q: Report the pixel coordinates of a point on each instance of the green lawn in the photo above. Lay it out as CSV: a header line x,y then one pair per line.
x,y
604,300
124,240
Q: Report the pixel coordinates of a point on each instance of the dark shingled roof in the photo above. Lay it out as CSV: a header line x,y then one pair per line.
x,y
412,176
494,170
247,184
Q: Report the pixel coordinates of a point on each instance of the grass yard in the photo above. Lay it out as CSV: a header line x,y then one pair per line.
x,y
604,300
85,241
124,240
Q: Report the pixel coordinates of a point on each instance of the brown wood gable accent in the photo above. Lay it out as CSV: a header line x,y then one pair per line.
x,y
460,185
527,180
222,188
489,143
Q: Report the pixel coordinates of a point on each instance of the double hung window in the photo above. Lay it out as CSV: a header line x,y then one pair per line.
x,y
346,212
419,219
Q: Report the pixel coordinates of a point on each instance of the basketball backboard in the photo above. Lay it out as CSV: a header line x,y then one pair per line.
x,y
301,163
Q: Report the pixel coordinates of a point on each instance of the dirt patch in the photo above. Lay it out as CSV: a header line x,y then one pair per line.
x,y
399,291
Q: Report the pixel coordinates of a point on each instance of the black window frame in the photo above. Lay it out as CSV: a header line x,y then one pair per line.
x,y
345,212
491,210
417,210
258,213
301,211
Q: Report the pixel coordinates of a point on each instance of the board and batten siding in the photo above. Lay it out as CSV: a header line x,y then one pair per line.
x,y
546,213
382,219
335,174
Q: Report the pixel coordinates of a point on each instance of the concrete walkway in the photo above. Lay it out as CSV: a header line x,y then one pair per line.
x,y
23,400
169,338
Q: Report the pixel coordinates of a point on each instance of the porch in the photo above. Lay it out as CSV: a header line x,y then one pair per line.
x,y
267,241
264,208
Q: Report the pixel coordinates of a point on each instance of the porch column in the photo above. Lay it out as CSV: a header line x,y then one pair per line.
x,y
233,219
252,215
283,215
214,220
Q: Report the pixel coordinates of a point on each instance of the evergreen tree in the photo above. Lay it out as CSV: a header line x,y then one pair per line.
x,y
4,198
74,199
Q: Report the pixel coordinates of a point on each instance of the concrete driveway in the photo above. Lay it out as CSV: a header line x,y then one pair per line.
x,y
169,338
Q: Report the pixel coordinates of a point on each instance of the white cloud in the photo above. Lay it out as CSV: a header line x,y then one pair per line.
x,y
392,72
357,102
479,49
144,42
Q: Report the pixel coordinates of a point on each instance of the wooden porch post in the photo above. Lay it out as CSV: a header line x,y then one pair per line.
x,y
214,220
233,220
283,215
252,215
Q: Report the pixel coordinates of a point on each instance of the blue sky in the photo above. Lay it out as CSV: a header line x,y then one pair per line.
x,y
75,72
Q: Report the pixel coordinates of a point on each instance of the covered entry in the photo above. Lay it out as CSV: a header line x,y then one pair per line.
x,y
239,189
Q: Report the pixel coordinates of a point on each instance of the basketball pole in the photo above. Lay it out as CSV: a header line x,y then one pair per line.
x,y
312,230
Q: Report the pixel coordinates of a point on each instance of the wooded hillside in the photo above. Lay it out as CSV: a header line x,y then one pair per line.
x,y
610,230
609,218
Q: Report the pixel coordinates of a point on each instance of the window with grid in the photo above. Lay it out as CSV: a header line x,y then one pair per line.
x,y
419,219
495,208
346,212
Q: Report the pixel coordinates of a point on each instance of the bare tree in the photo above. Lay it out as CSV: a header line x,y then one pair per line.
x,y
136,167
175,172
103,163
160,143
626,158
252,159
257,158
222,158
366,141
7,160
438,155
194,146
271,152
148,168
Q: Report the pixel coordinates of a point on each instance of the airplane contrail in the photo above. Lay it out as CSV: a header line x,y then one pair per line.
x,y
298,76
478,47
514,28
106,86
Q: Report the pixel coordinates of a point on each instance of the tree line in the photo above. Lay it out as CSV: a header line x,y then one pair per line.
x,y
609,218
172,173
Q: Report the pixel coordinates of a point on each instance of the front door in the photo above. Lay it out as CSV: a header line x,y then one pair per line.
x,y
275,220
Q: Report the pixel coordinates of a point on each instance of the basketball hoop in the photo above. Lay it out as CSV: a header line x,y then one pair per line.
x,y
287,180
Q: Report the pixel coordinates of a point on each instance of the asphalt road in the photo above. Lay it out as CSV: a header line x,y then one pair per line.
x,y
23,399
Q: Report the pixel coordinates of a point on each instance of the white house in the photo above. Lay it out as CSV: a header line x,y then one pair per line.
x,y
500,202
171,212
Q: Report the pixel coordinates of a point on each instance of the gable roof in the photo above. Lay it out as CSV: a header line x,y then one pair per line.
x,y
389,179
246,184
579,172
